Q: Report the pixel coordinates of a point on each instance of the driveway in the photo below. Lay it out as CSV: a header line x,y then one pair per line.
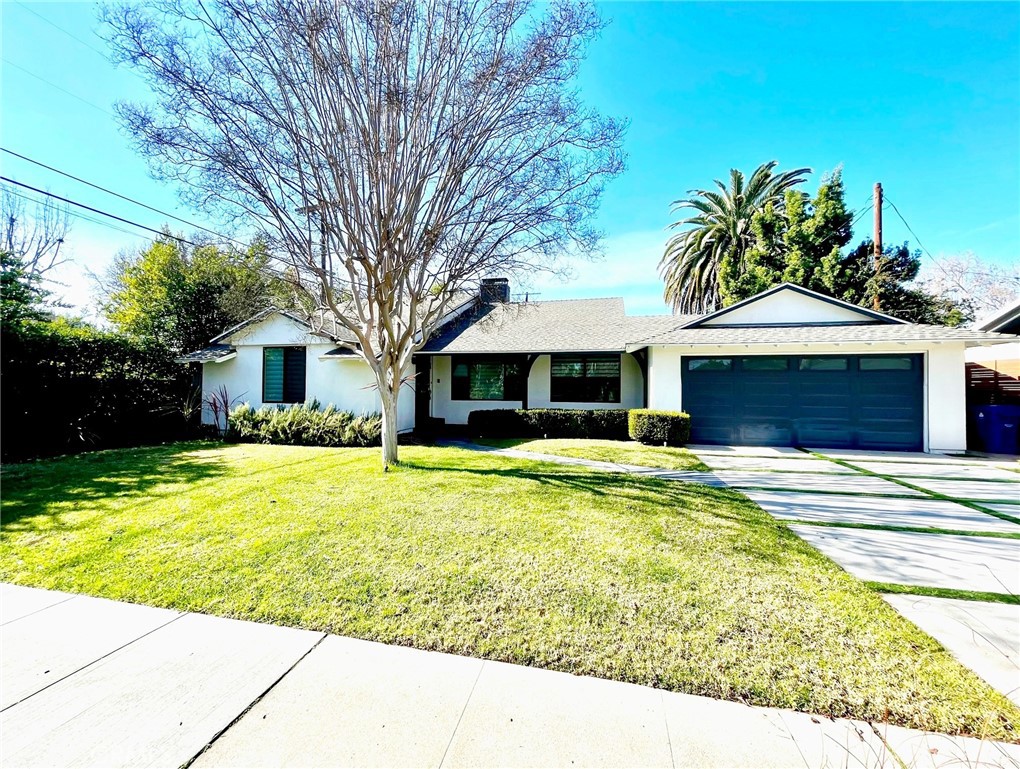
x,y
907,523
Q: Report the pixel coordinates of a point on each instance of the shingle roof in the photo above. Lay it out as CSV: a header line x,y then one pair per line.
x,y
210,354
566,325
815,334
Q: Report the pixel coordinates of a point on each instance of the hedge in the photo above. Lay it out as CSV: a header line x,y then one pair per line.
x,y
549,423
303,425
69,387
653,427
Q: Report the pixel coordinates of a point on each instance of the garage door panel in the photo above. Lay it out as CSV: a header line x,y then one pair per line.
x,y
776,433
837,401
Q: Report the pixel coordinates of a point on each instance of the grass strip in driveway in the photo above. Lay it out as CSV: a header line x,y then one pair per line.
x,y
619,452
944,592
680,586
927,492
908,529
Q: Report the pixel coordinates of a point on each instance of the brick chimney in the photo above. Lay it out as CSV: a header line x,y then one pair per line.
x,y
495,290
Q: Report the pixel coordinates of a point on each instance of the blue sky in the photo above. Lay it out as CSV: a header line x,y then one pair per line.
x,y
924,97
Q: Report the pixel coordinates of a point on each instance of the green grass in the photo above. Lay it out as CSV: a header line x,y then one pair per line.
x,y
944,592
620,452
680,586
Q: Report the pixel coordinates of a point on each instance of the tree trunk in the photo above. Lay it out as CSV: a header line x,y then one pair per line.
x,y
388,397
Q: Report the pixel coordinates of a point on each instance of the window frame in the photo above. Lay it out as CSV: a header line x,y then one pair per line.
x,y
585,377
464,395
302,356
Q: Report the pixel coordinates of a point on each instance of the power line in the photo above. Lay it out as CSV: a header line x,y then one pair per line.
x,y
860,214
95,210
75,37
122,197
911,231
51,84
58,27
75,214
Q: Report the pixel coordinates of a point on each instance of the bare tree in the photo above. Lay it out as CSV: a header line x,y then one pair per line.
x,y
984,286
393,151
33,236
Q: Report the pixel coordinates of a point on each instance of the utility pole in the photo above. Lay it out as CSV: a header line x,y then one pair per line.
x,y
876,300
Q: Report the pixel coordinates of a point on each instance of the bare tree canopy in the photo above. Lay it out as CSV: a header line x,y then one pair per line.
x,y
392,151
984,286
35,236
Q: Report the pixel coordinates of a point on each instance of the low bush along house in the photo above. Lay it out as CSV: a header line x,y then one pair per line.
x,y
786,367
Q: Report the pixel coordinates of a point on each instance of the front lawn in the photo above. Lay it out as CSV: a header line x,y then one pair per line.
x,y
679,586
620,452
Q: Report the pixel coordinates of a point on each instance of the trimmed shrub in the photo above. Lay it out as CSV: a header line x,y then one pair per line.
x,y
656,428
69,387
552,423
499,423
304,424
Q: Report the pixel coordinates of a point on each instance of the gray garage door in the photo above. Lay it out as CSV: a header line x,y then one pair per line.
x,y
836,401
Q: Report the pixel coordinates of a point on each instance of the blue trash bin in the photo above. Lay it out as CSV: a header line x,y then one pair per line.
x,y
999,428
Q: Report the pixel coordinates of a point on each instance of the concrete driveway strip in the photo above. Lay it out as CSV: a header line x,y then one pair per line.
x,y
354,703
921,470
836,508
804,464
17,601
843,484
157,701
983,564
975,491
983,636
36,649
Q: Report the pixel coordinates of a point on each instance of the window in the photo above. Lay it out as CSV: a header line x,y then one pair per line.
x,y
886,364
283,374
765,364
710,364
823,364
585,379
488,379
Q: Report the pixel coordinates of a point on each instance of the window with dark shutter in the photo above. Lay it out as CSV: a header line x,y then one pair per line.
x,y
283,374
585,379
487,379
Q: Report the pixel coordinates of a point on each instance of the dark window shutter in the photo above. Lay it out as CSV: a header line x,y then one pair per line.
x,y
294,375
283,374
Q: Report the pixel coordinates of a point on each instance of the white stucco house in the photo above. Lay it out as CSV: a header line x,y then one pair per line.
x,y
786,367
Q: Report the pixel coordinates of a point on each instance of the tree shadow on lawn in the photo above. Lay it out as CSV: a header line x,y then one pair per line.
x,y
751,530
48,487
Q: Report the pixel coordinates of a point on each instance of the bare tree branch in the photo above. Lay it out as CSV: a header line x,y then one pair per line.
x,y
393,151
34,236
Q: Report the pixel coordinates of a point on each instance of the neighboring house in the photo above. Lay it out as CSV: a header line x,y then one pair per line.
x,y
993,372
786,367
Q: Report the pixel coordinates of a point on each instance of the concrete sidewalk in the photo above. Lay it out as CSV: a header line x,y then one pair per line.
x,y
91,682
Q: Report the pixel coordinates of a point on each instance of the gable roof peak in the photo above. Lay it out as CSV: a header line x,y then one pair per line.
x,y
873,315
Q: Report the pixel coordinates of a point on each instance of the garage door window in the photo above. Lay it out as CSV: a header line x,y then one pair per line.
x,y
765,364
886,364
710,364
823,364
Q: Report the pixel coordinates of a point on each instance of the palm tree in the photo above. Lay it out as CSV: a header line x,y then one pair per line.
x,y
721,228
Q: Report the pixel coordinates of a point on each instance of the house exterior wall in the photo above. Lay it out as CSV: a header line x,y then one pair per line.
x,y
347,383
787,307
945,426
455,412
